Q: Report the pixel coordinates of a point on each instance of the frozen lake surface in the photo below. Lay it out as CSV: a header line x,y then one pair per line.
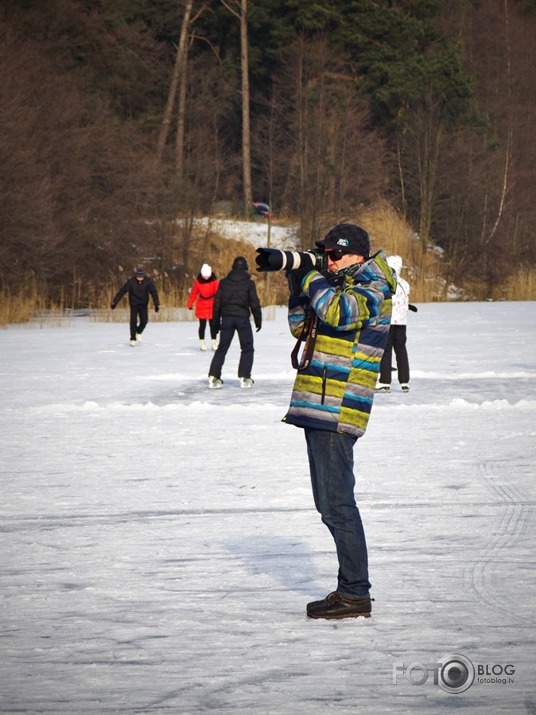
x,y
159,540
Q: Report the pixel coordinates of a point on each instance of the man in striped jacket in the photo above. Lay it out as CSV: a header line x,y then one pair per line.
x,y
343,320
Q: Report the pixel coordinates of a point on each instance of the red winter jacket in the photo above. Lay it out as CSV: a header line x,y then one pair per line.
x,y
203,290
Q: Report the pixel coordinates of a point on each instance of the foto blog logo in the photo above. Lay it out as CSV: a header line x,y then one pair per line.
x,y
453,673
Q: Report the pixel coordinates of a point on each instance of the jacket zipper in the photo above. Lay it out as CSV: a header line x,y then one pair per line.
x,y
324,382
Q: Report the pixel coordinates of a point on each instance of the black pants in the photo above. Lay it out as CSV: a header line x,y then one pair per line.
x,y
397,342
139,316
202,327
229,325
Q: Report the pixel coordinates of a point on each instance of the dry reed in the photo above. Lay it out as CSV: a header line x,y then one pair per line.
x,y
424,269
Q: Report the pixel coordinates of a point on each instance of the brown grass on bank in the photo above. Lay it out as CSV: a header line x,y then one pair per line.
x,y
206,246
423,269
520,285
28,306
20,308
17,308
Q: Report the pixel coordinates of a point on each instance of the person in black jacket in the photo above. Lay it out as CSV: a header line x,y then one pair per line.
x,y
235,300
139,287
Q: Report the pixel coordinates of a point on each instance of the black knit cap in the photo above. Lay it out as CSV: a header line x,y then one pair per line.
x,y
348,238
241,263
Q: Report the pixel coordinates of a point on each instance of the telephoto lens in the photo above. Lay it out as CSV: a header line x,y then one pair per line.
x,y
273,259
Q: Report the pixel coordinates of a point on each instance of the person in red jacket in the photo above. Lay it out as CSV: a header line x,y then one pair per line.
x,y
202,294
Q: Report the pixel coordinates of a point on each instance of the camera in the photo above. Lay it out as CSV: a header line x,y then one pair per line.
x,y
273,259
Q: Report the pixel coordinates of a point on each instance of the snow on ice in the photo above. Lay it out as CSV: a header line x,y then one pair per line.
x,y
159,540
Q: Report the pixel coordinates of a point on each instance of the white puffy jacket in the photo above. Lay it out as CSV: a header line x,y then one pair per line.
x,y
401,297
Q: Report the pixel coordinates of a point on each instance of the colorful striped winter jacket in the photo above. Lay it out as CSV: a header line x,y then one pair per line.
x,y
335,390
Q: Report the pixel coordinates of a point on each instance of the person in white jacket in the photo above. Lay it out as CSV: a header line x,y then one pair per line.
x,y
397,334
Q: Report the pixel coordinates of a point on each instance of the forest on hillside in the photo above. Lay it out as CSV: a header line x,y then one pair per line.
x,y
123,120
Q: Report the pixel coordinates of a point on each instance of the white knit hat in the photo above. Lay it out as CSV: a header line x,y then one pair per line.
x,y
206,270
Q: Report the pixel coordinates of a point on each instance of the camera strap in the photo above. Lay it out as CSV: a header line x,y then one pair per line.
x,y
308,333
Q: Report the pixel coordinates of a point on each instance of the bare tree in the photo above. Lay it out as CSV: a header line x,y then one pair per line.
x,y
505,181
241,12
178,75
328,160
485,206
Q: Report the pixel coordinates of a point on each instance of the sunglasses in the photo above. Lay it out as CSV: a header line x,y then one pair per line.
x,y
336,254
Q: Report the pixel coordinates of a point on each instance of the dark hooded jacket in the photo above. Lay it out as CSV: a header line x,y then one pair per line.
x,y
237,296
138,292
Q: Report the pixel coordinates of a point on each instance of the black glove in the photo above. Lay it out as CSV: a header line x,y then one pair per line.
x,y
294,282
113,306
258,328
296,275
156,308
413,307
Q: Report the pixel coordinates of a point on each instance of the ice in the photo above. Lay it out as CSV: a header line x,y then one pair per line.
x,y
159,540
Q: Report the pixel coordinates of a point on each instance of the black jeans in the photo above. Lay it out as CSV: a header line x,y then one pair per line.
x,y
202,327
138,326
229,325
396,341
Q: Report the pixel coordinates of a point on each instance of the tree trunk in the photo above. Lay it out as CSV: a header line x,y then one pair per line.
x,y
179,71
242,14
246,132
183,83
428,179
505,183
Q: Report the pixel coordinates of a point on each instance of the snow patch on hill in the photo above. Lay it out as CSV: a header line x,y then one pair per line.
x,y
258,233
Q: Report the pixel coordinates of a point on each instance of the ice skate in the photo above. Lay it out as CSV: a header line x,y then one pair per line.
x,y
246,382
382,387
214,383
202,345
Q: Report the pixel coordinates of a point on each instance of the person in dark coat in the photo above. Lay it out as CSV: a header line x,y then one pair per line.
x,y
235,300
139,287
